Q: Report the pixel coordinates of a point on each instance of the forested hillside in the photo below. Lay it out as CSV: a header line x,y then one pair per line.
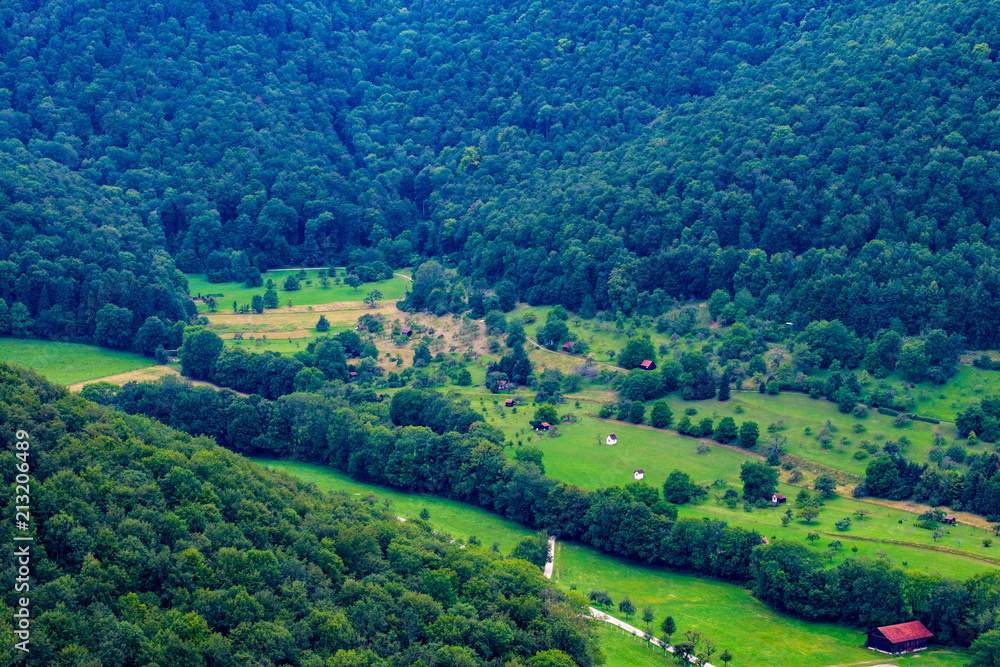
x,y
841,158
153,548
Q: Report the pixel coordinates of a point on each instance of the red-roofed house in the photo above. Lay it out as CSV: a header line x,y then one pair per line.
x,y
407,332
509,403
544,426
949,519
778,499
901,638
568,346
647,365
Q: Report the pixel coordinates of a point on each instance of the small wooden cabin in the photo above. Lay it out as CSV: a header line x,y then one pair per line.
x,y
949,520
407,332
509,403
568,346
647,365
353,374
544,426
900,638
778,499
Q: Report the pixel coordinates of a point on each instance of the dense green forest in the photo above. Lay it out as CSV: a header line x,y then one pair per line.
x,y
152,547
836,160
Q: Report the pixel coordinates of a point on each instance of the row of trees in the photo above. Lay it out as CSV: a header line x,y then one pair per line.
x,y
410,446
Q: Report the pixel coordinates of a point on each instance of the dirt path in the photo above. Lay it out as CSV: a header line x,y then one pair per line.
x,y
550,563
611,620
148,374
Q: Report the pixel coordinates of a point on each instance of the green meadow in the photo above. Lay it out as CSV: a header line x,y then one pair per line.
x,y
69,363
308,294
458,519
760,638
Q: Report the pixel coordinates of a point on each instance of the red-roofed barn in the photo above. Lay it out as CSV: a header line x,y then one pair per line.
x,y
647,365
901,638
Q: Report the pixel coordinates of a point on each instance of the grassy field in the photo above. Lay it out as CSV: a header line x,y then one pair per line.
x,y
458,519
309,294
761,638
69,363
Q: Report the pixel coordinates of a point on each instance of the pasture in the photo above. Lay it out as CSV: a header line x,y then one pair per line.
x,y
70,363
458,519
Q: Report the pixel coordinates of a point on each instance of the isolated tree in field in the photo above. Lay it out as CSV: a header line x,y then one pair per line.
x,y
808,513
323,324
291,283
353,281
678,488
668,627
749,432
826,485
759,480
257,304
726,431
636,351
424,514
661,415
626,607
647,616
726,656
372,298
271,299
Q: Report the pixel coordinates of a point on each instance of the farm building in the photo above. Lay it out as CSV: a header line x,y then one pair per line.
x,y
544,426
949,520
354,374
502,385
509,403
778,499
407,332
901,638
612,439
647,365
639,474
568,346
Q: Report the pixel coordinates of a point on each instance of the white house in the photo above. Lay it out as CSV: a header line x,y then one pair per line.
x,y
612,439
639,474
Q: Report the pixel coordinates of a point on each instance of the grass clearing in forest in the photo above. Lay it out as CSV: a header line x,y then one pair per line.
x,y
311,293
69,363
458,519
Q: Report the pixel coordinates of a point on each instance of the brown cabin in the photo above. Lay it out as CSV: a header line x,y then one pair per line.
x,y
647,365
353,374
568,346
901,638
949,520
407,332
509,403
544,426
